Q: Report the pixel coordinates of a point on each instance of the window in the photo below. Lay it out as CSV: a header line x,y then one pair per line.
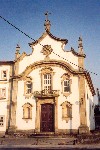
x,y
4,74
46,80
2,93
66,85
47,83
27,111
28,87
1,121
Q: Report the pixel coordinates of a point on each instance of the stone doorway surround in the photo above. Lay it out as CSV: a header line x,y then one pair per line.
x,y
45,100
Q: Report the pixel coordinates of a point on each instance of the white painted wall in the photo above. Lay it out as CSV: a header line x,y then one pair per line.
x,y
36,79
89,107
3,102
37,55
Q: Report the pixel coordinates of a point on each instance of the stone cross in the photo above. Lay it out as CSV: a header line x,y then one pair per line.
x,y
47,14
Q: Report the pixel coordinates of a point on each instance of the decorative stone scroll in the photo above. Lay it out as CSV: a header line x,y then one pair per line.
x,y
47,50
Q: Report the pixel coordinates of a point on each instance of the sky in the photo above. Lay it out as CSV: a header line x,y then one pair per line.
x,y
69,19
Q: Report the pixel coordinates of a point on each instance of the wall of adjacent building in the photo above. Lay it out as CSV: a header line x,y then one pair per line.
x,y
4,84
89,107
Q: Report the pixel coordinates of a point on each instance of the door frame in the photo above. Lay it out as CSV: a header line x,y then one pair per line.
x,y
39,101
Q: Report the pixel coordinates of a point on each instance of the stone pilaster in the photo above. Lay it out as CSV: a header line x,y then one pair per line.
x,y
12,127
83,128
56,114
9,97
13,103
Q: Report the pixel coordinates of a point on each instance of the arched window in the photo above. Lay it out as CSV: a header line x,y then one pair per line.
x,y
27,111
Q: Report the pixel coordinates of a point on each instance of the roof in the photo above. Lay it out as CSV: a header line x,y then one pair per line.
x,y
64,41
89,81
6,62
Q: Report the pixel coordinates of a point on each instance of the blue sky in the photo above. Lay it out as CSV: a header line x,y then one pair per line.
x,y
69,19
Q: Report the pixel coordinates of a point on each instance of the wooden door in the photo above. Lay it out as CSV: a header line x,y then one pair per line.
x,y
47,118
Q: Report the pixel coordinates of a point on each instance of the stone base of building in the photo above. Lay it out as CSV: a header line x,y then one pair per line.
x,y
83,129
11,130
62,132
2,134
67,131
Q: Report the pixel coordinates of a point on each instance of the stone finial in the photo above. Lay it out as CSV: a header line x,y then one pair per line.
x,y
47,23
17,53
80,46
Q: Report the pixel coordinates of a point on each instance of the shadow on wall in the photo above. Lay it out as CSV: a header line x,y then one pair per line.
x,y
91,114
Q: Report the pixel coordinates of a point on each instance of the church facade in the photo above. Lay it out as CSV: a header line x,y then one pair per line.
x,y
47,91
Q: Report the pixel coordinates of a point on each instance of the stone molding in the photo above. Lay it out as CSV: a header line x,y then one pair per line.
x,y
64,41
60,64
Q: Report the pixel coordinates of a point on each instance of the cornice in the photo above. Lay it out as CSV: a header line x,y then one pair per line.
x,y
62,64
64,41
89,81
77,54
39,64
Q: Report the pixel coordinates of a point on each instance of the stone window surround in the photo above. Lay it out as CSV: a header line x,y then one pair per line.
x,y
65,116
25,106
66,76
